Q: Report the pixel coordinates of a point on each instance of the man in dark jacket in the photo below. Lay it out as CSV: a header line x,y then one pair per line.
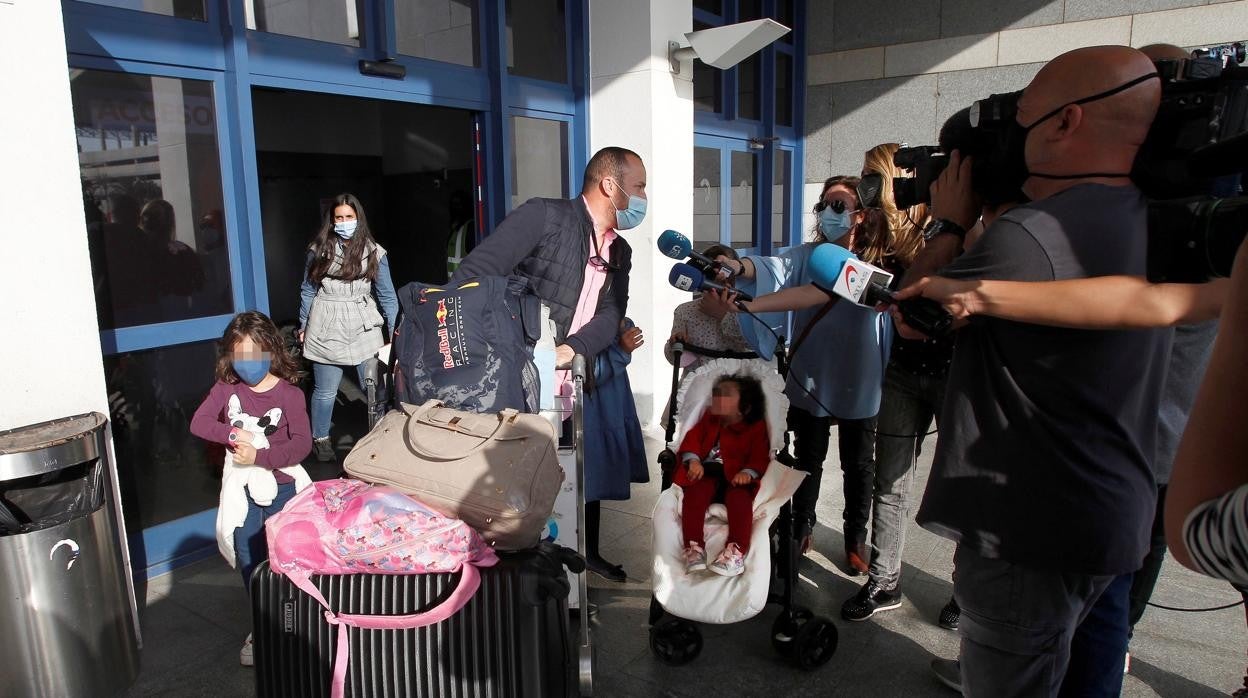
x,y
553,242
575,262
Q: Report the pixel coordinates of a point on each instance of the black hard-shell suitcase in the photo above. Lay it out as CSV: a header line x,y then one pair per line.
x,y
512,639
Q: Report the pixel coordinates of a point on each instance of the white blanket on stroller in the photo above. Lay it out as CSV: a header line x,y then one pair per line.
x,y
705,596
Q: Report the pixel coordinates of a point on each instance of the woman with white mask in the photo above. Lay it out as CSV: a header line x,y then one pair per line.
x,y
346,278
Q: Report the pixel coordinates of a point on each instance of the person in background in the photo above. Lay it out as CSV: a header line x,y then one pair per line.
x,y
346,278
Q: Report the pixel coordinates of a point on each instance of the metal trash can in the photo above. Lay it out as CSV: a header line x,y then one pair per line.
x,y
68,624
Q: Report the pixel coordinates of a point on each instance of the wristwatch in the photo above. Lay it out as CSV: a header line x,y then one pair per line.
x,y
940,226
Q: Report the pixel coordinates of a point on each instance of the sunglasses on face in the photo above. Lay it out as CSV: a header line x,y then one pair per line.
x,y
838,207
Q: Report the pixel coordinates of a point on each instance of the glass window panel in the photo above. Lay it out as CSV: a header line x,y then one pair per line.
x,y
707,83
441,30
747,88
165,472
706,200
539,156
784,89
741,195
151,188
537,40
749,9
184,9
334,21
712,6
782,160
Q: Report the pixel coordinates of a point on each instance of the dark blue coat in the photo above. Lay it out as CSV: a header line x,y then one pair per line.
x,y
615,455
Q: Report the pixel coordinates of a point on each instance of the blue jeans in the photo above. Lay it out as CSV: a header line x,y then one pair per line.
x,y
250,546
1099,648
909,404
327,378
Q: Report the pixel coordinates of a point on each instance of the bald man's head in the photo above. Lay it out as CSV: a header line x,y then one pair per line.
x,y
1103,133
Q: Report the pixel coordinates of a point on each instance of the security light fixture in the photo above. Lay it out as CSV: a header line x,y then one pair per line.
x,y
724,47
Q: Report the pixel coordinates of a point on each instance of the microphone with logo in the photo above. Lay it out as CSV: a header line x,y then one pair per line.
x,y
687,277
834,269
676,246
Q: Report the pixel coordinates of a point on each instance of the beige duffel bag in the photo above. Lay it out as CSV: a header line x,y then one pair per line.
x,y
498,472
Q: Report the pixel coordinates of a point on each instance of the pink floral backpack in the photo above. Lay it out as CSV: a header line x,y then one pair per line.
x,y
351,527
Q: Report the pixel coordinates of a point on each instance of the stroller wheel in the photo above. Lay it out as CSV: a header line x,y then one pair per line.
x,y
675,642
784,631
815,643
656,611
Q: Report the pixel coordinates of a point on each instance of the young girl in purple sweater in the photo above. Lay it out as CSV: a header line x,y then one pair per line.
x,y
260,415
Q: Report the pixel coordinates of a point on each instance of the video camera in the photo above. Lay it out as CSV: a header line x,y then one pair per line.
x,y
1188,166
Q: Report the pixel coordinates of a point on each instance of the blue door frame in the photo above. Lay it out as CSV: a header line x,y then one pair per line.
x,y
220,50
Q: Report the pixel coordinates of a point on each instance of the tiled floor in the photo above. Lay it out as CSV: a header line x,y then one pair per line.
x,y
196,619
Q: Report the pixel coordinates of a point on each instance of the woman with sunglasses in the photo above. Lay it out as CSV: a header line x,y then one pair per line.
x,y
837,359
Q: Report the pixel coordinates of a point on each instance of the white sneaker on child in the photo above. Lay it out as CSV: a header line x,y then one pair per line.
x,y
246,656
731,562
695,558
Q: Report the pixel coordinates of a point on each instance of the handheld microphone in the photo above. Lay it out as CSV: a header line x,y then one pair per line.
x,y
676,246
687,277
833,267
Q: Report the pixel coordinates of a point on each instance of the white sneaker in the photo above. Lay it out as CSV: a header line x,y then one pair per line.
x,y
730,563
695,558
246,656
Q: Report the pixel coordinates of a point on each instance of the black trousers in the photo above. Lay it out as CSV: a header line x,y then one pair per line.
x,y
856,447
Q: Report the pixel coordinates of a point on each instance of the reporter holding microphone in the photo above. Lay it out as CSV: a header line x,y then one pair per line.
x,y
838,355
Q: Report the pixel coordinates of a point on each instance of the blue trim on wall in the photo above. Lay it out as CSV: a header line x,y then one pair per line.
x,y
167,546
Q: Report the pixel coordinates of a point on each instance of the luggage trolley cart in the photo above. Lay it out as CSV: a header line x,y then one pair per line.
x,y
585,644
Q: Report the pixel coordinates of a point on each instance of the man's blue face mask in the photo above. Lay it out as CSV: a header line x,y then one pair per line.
x,y
633,215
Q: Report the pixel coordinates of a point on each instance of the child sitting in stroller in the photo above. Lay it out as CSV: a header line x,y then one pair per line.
x,y
723,457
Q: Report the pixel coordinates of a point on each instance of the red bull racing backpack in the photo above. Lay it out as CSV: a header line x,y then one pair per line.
x,y
467,345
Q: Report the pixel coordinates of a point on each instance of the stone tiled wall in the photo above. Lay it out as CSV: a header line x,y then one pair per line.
x,y
894,70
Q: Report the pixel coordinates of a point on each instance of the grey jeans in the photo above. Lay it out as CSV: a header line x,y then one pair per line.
x,y
1017,624
909,404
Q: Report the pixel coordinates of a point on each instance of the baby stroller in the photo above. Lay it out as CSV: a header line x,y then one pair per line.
x,y
681,600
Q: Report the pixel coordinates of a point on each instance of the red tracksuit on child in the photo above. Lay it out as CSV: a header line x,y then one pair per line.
x,y
742,446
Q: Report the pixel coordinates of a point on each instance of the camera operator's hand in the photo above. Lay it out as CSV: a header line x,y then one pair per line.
x,y
952,196
959,298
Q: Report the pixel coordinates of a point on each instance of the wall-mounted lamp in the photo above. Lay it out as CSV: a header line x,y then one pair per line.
x,y
724,47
